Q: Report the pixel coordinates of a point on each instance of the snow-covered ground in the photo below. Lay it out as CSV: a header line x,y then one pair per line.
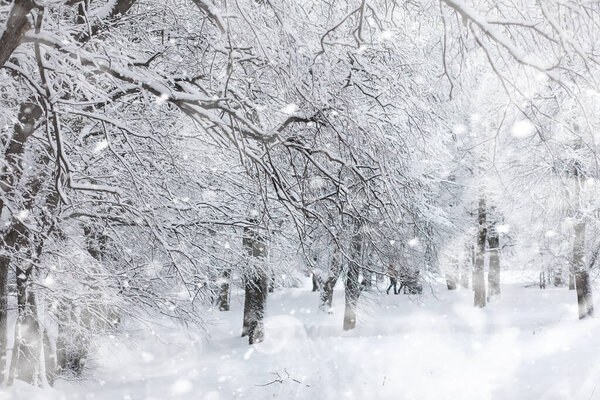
x,y
528,345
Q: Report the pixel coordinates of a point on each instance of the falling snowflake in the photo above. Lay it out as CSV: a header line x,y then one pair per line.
x,y
182,386
522,129
459,129
103,144
504,228
414,242
289,109
162,98
386,35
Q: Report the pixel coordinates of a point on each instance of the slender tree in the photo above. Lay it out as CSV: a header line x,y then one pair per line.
x,y
479,298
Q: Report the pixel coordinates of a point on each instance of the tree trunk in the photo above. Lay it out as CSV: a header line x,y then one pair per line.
x,y
315,282
367,279
571,281
580,271
223,299
9,243
466,267
49,358
75,324
4,266
29,113
582,279
26,363
247,311
256,285
494,258
326,295
72,347
256,289
62,337
478,271
16,26
352,287
271,283
452,274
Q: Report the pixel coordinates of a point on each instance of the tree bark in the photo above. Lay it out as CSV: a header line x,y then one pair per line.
x,y
579,268
315,282
120,8
256,287
571,281
452,274
466,267
352,287
326,295
4,267
17,25
494,258
478,271
29,113
224,281
26,363
367,279
582,279
10,240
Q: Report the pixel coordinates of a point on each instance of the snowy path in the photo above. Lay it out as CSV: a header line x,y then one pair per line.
x,y
527,346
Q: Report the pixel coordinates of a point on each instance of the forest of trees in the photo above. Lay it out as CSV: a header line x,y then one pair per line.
x,y
159,154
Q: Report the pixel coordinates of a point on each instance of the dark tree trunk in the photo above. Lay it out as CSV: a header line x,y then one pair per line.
x,y
28,115
10,240
16,26
62,337
272,283
478,271
224,282
352,287
580,270
450,283
452,274
256,285
315,282
582,279
71,348
494,258
247,311
571,281
326,295
367,279
26,364
254,307
4,266
120,8
584,294
72,344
